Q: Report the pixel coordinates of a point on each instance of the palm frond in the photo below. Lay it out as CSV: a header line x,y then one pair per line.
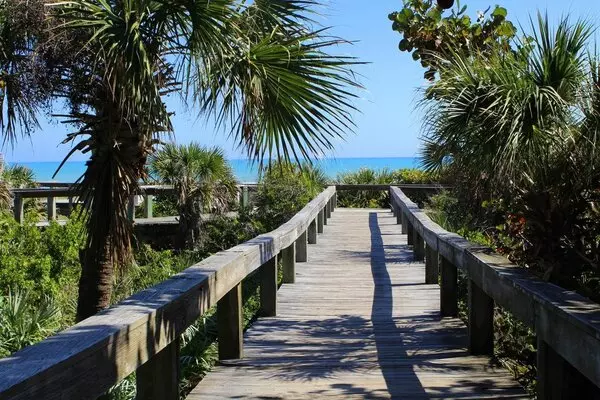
x,y
279,90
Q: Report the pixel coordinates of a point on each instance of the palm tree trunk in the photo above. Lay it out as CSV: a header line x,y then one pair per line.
x,y
96,281
189,225
112,176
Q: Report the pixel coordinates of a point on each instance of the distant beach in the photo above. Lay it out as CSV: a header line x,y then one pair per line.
x,y
244,170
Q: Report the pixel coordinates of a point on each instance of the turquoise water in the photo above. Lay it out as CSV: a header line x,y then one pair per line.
x,y
244,170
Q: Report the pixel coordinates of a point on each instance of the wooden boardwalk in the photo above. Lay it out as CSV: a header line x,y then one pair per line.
x,y
359,323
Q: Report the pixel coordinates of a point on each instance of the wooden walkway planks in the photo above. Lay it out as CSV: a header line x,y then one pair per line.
x,y
358,323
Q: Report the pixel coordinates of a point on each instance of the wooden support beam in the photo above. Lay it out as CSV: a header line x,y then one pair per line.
x,y
158,378
312,232
229,324
328,210
18,208
288,263
404,222
302,248
51,207
481,321
410,234
245,197
131,208
326,213
148,205
268,288
418,246
558,380
320,221
448,288
431,265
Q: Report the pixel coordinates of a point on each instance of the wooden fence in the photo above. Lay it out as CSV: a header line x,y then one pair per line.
x,y
52,191
567,325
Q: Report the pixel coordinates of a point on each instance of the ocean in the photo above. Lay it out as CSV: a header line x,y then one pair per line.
x,y
244,170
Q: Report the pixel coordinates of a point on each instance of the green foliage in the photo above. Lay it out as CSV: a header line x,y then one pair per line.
x,y
25,320
432,37
39,261
15,177
203,182
283,190
377,198
18,176
518,131
165,205
514,342
200,175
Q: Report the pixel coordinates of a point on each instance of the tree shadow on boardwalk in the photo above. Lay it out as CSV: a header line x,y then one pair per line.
x,y
384,323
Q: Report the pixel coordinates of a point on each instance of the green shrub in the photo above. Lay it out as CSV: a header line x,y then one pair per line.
x,y
25,321
377,198
283,190
514,342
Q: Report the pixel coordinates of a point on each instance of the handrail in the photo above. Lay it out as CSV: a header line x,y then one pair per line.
x,y
382,187
148,192
567,325
141,333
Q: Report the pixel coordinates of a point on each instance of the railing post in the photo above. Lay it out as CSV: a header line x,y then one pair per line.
x,y
326,213
448,288
335,200
312,232
51,207
18,209
409,232
418,246
158,378
148,205
481,321
328,210
288,261
431,265
229,324
404,222
245,197
70,205
131,208
268,288
557,379
332,203
320,221
302,248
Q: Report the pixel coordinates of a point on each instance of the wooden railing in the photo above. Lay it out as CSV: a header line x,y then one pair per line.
x,y
142,332
53,190
567,325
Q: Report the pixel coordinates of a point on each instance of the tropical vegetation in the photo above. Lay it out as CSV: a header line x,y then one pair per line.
x,y
204,183
284,189
515,124
379,198
112,64
432,37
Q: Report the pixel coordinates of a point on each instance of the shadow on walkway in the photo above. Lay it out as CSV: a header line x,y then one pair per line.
x,y
384,325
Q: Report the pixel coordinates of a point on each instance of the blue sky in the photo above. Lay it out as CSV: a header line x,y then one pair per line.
x,y
388,124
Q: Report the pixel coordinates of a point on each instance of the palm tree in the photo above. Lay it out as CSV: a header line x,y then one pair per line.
x,y
260,66
522,126
506,114
24,81
203,180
